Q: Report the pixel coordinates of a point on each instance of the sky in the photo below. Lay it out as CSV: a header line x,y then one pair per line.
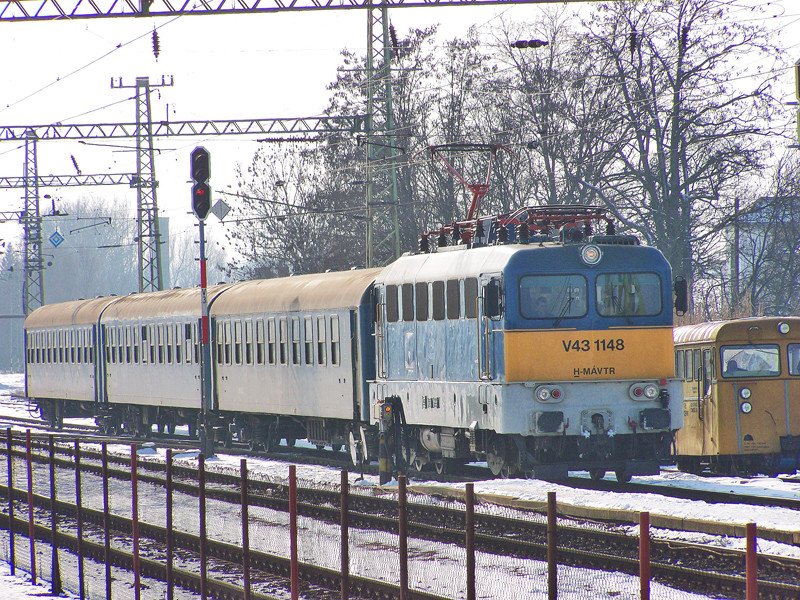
x,y
224,67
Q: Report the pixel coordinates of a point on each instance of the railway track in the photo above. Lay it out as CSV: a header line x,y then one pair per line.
x,y
582,544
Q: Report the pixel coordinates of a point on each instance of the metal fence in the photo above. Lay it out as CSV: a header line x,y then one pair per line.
x,y
80,528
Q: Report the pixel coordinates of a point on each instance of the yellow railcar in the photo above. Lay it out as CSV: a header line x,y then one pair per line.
x,y
741,396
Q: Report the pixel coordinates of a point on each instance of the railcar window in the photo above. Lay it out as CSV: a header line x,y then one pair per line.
x,y
187,342
248,342
335,358
552,296
689,371
61,347
408,302
437,293
237,342
679,364
284,339
110,355
421,290
72,347
308,339
49,347
144,344
392,312
228,342
321,354
628,294
152,336
136,344
160,334
260,342
196,344
271,341
793,352
697,364
128,341
453,299
708,371
220,343
295,341
756,360
178,344
168,343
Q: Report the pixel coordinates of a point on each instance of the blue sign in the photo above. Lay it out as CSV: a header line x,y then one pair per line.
x,y
56,239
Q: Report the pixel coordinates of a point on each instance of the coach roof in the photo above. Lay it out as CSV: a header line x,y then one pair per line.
x,y
62,314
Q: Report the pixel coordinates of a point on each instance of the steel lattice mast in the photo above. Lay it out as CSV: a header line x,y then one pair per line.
x,y
33,287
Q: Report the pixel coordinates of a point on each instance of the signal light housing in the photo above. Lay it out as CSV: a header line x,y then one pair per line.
x,y
200,170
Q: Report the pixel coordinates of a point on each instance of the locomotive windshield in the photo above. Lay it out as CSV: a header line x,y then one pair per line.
x,y
552,296
628,294
794,359
762,360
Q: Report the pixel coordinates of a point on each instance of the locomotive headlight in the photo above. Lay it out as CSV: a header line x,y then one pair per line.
x,y
591,254
745,394
746,407
783,328
551,393
650,391
543,394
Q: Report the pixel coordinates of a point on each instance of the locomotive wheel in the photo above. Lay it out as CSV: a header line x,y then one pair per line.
x,y
496,455
290,442
596,474
419,464
622,476
440,466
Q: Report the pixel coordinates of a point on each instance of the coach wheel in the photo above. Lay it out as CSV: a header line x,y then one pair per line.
x,y
597,474
622,476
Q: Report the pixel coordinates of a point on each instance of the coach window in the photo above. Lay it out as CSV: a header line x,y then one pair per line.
x,y
421,290
260,342
220,343
237,341
152,343
136,343
679,364
453,299
793,351
248,342
228,343
169,341
160,343
321,354
689,371
61,347
295,341
308,339
127,331
187,342
335,340
109,345
284,341
407,290
49,346
271,342
196,344
144,338
120,345
438,300
392,313
178,344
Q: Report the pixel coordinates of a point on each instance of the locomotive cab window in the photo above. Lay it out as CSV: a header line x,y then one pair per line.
x,y
794,359
552,296
628,294
756,360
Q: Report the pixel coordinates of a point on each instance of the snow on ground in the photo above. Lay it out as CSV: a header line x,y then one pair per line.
x,y
18,587
765,517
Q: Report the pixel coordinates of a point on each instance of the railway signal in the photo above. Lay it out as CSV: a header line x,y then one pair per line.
x,y
201,191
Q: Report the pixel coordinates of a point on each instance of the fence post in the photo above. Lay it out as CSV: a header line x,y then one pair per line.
x,y
552,547
644,555
245,532
294,575
752,563
106,521
31,526
11,528
55,572
137,583
345,522
79,518
170,574
201,485
470,539
402,530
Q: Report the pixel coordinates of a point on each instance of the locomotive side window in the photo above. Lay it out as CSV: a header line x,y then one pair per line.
x,y
284,346
392,312
552,296
321,354
271,341
335,340
453,299
628,294
308,339
438,300
248,342
794,358
422,300
295,341
260,342
471,298
237,342
408,302
679,364
689,366
756,360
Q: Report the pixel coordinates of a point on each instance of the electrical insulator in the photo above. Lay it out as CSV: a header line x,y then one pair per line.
x,y
442,239
523,232
423,244
156,44
611,229
502,234
529,43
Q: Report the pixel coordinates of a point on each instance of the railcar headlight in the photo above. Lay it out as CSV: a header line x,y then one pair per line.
x,y
783,327
745,393
591,254
746,407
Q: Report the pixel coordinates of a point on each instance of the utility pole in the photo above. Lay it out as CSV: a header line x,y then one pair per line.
x,y
33,287
148,239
